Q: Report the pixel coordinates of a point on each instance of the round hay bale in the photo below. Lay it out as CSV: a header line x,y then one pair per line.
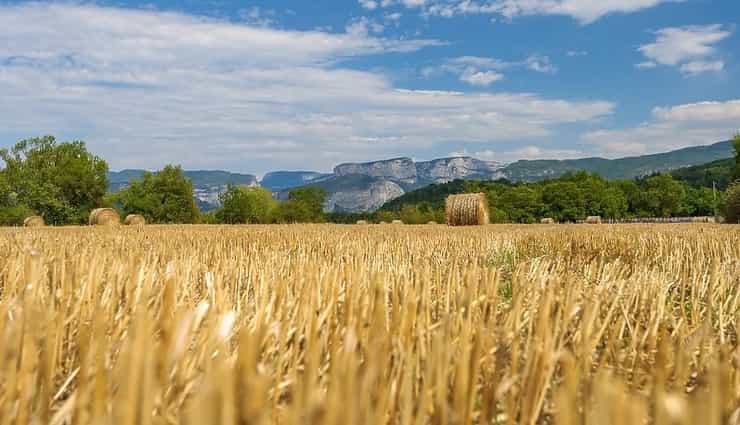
x,y
593,219
470,209
361,222
397,222
431,222
547,220
104,217
34,221
134,220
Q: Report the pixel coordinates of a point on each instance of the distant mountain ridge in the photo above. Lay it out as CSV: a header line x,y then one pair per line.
x,y
358,187
622,168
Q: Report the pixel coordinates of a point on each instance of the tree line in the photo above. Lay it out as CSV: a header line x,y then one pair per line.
x,y
63,182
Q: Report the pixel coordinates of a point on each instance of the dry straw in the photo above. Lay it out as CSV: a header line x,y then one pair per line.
x,y
547,220
104,217
329,325
361,222
593,219
34,221
470,209
397,222
134,220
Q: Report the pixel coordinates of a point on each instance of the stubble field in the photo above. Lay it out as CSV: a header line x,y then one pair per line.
x,y
330,324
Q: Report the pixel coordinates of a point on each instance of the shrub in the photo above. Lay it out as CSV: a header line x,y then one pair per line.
x,y
732,203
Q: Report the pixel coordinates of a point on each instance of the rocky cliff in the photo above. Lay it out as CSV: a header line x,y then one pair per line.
x,y
447,169
367,198
399,169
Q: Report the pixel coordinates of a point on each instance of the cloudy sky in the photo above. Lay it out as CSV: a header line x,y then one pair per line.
x,y
254,86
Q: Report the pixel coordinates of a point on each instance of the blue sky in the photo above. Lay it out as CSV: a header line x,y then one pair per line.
x,y
254,86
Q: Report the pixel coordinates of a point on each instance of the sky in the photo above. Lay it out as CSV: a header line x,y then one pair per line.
x,y
257,86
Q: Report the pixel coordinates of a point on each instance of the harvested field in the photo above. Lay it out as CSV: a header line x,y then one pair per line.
x,y
330,324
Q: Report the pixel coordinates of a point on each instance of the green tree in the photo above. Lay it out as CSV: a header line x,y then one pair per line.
x,y
162,197
411,214
732,203
522,204
304,205
246,205
564,201
384,216
736,145
62,182
664,196
700,201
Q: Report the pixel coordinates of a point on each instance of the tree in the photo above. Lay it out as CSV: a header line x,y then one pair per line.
x,y
736,145
384,216
162,197
246,205
62,182
664,196
304,205
564,201
410,214
732,203
522,204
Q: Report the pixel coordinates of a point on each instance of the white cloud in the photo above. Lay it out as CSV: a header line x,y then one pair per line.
x,y
671,128
576,53
363,26
529,152
698,67
702,112
540,64
257,16
585,11
369,4
483,71
688,47
146,88
646,65
480,78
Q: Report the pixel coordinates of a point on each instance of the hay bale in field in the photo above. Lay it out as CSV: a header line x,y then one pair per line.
x,y
470,209
547,220
104,217
34,221
361,222
431,222
383,222
134,220
593,219
397,222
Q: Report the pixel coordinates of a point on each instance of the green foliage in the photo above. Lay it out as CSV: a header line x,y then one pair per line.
x,y
208,218
304,205
716,174
574,196
162,197
14,215
246,205
385,216
62,182
664,196
736,145
732,203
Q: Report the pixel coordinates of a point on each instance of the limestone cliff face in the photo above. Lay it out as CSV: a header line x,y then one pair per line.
x,y
447,169
365,198
390,179
400,169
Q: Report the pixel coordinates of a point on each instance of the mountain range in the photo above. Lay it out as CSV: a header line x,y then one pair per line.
x,y
356,187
